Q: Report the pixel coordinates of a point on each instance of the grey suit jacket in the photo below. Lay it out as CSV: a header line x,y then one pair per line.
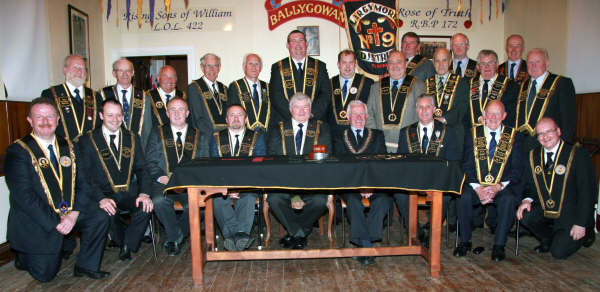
x,y
424,70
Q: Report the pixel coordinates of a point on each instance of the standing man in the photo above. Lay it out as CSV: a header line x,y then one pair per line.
x,y
299,73
295,137
392,99
137,115
235,220
48,198
515,67
208,97
347,86
77,105
558,214
252,94
493,164
170,145
461,64
418,65
160,96
545,94
118,180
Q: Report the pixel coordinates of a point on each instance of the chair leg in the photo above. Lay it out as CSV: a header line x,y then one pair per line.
x,y
388,227
265,210
517,237
321,225
152,235
447,232
343,228
331,207
259,224
457,230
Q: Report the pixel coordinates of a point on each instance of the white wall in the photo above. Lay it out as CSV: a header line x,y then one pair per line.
x,y
583,43
4,208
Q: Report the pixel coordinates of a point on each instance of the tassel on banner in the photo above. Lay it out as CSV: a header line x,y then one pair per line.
x,y
459,6
187,3
117,9
490,14
139,13
151,13
128,11
481,14
101,8
108,7
168,8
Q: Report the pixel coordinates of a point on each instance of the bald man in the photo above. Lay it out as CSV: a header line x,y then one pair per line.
x,y
160,96
515,67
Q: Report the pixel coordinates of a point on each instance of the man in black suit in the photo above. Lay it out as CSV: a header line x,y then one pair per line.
x,y
356,139
418,65
160,96
461,64
116,165
295,137
559,215
515,67
235,220
299,73
493,163
252,94
41,214
168,146
545,94
347,86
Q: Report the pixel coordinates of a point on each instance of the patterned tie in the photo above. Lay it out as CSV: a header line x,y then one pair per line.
x,y
236,148
549,161
53,157
179,144
359,138
300,71
459,68
299,135
425,141
512,71
344,91
484,90
394,88
532,93
493,144
440,85
125,107
168,98
255,95
215,92
77,96
113,146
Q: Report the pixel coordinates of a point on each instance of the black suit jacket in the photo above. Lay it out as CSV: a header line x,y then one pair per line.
x,y
448,146
375,144
363,96
274,146
320,103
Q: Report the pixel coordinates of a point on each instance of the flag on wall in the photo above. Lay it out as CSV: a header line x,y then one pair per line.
x,y
155,65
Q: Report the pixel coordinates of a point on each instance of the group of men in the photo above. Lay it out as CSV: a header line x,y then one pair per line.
x,y
94,156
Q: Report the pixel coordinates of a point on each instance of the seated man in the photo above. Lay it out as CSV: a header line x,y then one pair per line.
x,y
493,164
559,215
236,220
168,146
117,176
356,139
428,137
296,137
48,199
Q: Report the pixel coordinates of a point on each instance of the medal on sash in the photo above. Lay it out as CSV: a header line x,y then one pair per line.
x,y
311,73
159,108
340,102
118,171
526,121
433,147
258,115
476,106
214,106
489,172
392,113
246,143
444,99
172,156
73,125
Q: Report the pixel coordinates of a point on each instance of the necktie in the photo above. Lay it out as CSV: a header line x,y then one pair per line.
x,y
493,144
179,144
344,91
549,162
125,107
168,98
512,70
440,85
236,148
425,141
215,92
484,90
299,135
300,71
359,139
53,157
458,70
394,88
113,146
77,96
255,95
532,93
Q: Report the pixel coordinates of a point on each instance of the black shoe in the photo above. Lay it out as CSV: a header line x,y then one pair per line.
x,y
125,253
452,227
19,265
243,241
80,272
112,243
230,244
173,248
287,241
498,253
462,249
365,261
542,248
492,229
299,243
147,239
589,237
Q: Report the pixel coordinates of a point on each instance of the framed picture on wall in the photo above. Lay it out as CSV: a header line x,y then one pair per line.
x,y
312,38
429,43
79,35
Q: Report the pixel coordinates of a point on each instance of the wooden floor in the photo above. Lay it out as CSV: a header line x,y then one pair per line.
x,y
527,272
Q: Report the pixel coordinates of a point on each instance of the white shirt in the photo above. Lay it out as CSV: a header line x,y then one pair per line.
x,y
539,82
44,144
553,150
490,83
72,90
517,64
106,132
296,128
163,95
362,132
488,138
232,134
210,84
251,86
443,77
183,133
429,131
463,65
127,95
299,61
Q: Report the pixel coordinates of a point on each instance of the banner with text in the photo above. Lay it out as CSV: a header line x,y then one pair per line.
x,y
193,19
279,13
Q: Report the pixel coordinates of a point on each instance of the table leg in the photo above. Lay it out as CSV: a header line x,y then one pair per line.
x,y
435,243
412,217
209,229
195,235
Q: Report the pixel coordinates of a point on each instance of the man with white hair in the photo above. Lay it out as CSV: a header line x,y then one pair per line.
x,y
461,64
160,96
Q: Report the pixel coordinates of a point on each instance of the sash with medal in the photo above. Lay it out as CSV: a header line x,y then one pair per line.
x,y
526,121
433,147
445,98
58,184
414,63
288,139
490,172
311,72
475,105
214,107
391,113
117,168
159,108
367,136
172,156
552,195
246,144
339,102
137,108
258,115
470,71
521,71
75,123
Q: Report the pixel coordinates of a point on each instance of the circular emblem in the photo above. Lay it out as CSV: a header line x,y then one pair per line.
x,y
63,207
560,169
480,119
105,154
43,162
438,112
126,152
246,97
67,109
353,90
89,118
489,178
160,104
446,96
222,96
538,169
65,161
188,146
343,114
392,117
550,203
337,91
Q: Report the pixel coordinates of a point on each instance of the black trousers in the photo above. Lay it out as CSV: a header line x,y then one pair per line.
x,y
93,227
298,224
367,227
129,234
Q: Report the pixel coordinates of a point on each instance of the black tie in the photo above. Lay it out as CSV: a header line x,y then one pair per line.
x,y
236,148
215,92
179,144
300,71
255,95
440,85
512,70
113,146
168,98
532,93
493,144
484,90
77,96
344,91
394,89
53,157
125,107
359,138
549,162
458,70
299,135
425,141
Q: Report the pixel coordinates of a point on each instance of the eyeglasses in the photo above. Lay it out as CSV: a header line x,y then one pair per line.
x,y
546,133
